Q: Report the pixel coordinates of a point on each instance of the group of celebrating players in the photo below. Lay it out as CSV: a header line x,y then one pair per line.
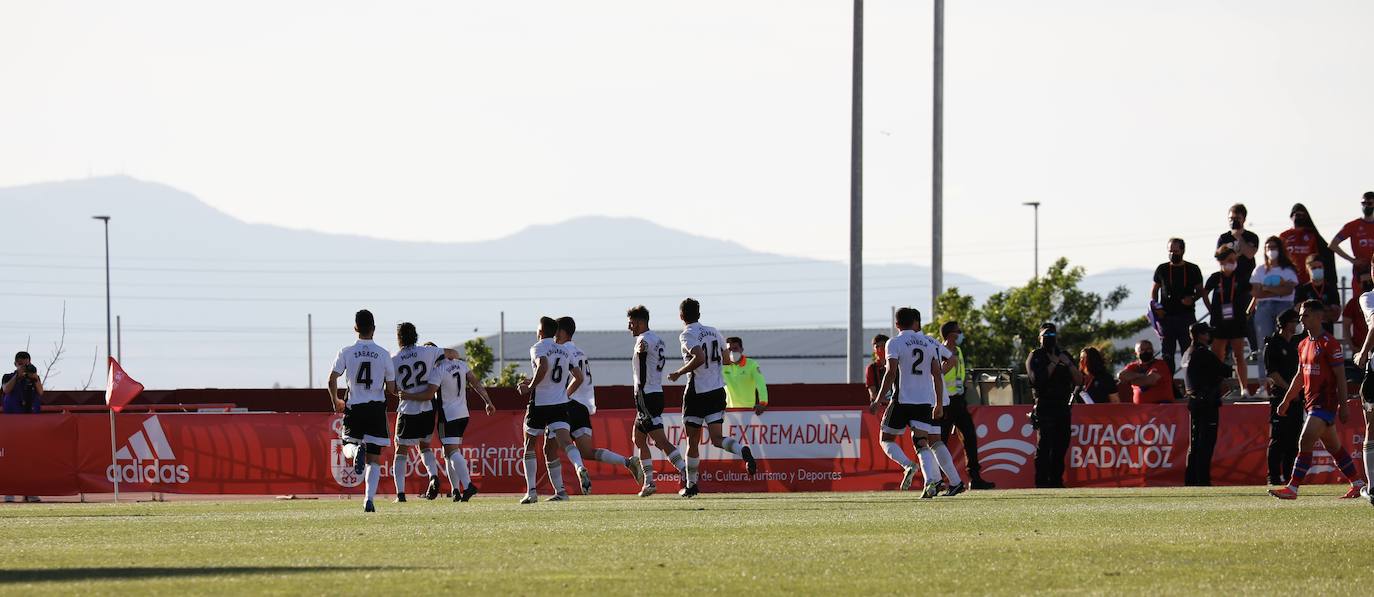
x,y
431,384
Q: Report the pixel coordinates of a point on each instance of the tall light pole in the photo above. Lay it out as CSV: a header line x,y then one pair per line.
x,y
937,165
109,347
854,362
1036,206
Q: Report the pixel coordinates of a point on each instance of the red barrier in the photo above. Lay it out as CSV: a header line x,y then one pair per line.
x,y
800,449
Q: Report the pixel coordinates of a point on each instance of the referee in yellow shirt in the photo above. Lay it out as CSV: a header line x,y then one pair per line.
x,y
744,384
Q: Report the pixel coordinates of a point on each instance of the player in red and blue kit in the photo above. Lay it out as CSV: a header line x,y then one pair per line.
x,y
1321,383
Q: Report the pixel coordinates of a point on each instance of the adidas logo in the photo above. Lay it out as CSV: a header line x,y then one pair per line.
x,y
1008,452
147,448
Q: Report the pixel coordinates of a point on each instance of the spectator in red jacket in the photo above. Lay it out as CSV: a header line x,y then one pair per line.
x,y
1151,382
1360,231
1303,240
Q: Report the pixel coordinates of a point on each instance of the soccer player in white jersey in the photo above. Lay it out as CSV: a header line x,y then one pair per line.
x,y
913,368
646,366
1367,390
581,407
415,411
370,378
455,377
548,410
703,403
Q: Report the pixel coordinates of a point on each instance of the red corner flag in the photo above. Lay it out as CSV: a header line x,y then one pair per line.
x,y
120,389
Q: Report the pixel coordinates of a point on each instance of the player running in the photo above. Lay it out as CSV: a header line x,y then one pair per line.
x,y
415,411
913,368
1321,383
646,364
454,378
548,412
370,378
703,403
581,407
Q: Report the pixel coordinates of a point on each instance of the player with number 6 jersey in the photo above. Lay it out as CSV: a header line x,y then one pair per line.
x,y
581,407
547,412
647,362
703,404
370,378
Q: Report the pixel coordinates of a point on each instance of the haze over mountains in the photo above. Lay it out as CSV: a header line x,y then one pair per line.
x,y
207,300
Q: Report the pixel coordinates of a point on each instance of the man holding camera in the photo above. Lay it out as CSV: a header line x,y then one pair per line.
x,y
23,389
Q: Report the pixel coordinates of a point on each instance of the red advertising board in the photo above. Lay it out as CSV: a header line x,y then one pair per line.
x,y
799,449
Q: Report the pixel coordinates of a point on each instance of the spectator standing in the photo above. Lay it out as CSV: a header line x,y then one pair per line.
x,y
23,389
1227,300
1281,361
1246,244
1360,231
873,374
1150,380
744,383
1272,287
1052,376
1206,379
956,412
1352,316
1177,286
1322,289
1098,384
1303,240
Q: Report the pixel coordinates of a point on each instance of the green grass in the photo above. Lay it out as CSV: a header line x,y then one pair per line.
x,y
1156,541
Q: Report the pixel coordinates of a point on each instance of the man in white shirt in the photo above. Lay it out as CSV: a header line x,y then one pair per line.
x,y
451,408
415,411
914,371
647,361
370,378
581,407
547,412
1367,390
703,403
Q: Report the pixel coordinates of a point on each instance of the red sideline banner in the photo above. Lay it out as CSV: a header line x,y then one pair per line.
x,y
799,449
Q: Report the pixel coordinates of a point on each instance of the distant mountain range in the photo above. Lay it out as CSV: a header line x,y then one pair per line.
x,y
207,300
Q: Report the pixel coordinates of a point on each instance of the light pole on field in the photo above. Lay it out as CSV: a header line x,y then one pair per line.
x,y
1036,206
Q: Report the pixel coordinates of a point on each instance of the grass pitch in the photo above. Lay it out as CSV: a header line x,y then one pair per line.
x,y
1233,540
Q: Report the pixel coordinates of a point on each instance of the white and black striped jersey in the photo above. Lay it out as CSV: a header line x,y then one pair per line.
x,y
368,367
647,362
452,376
586,393
553,388
708,376
415,370
914,355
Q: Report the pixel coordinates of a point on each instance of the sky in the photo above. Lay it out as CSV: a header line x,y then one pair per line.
x,y
1130,121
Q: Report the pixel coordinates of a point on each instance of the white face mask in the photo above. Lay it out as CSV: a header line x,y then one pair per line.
x,y
1318,275
735,355
959,339
1228,267
1273,254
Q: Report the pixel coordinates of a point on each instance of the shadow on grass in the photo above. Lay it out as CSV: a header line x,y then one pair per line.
x,y
31,575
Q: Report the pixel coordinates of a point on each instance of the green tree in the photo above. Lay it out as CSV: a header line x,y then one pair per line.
x,y
1007,326
480,357
507,378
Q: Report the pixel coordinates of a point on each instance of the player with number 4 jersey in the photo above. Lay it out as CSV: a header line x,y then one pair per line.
x,y
370,378
703,404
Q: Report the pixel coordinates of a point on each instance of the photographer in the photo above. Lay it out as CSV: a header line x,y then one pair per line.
x,y
1052,374
23,389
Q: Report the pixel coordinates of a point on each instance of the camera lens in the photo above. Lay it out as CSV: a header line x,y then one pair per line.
x,y
30,369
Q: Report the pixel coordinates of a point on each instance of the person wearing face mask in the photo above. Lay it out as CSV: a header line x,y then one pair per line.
x,y
1207,379
1360,231
1304,240
1052,376
1177,286
873,374
1352,317
744,383
1271,287
1149,378
1227,300
1246,245
1322,289
1098,384
956,410
1281,360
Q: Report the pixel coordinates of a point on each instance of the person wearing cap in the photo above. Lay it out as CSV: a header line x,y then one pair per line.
x,y
744,383
956,412
1149,377
1207,379
1052,374
1360,231
1281,362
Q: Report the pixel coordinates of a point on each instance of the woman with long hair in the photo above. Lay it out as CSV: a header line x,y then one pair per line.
x,y
1227,298
1098,383
1271,286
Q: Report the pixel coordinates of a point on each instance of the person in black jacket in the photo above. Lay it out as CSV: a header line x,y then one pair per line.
x,y
1207,379
1281,362
1052,375
1099,385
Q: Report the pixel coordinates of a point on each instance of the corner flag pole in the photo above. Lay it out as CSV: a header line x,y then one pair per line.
x,y
109,353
